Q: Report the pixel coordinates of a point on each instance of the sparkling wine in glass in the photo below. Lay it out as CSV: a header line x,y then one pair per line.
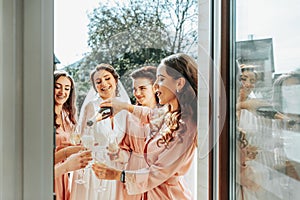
x,y
75,137
87,140
101,156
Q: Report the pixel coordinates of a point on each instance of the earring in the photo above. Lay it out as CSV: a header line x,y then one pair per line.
x,y
177,90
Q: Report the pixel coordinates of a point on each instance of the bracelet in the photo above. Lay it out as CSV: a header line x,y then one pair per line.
x,y
122,178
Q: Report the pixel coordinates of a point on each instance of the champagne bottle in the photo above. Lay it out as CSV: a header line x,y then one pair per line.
x,y
102,113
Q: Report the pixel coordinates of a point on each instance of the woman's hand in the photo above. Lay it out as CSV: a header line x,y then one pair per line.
x,y
102,171
74,162
78,160
73,149
65,152
117,105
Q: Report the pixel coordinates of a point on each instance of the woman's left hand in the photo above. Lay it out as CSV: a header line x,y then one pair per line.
x,y
102,171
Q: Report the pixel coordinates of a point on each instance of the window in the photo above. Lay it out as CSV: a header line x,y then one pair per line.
x,y
267,78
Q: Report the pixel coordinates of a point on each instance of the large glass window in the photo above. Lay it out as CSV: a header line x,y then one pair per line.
x,y
267,107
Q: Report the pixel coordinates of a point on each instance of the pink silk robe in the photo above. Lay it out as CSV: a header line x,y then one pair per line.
x,y
163,178
61,184
133,144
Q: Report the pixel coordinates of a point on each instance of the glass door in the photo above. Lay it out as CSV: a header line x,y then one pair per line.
x,y
267,128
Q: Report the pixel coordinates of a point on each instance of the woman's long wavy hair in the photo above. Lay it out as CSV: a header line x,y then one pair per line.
x,y
70,105
110,69
178,66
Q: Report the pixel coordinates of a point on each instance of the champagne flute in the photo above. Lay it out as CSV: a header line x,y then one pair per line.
x,y
113,147
87,140
75,139
101,156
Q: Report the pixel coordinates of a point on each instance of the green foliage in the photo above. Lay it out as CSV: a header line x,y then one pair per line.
x,y
134,34
81,79
114,31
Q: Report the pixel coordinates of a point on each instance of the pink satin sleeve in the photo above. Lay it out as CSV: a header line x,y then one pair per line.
x,y
142,113
168,167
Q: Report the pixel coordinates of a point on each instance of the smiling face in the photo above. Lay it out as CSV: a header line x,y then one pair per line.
x,y
165,88
105,84
62,90
248,80
143,92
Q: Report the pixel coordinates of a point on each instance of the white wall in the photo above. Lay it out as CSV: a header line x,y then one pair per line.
x,y
1,97
38,99
26,106
11,145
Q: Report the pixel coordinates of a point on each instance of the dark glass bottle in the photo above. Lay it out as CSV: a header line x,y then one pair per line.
x,y
103,113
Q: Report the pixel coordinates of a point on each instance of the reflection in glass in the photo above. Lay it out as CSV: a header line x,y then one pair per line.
x,y
267,108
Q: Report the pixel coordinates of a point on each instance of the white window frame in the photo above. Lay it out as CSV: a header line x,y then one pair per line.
x,y
26,119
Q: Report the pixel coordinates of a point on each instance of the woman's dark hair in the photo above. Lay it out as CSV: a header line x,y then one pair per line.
x,y
106,67
177,66
148,72
70,105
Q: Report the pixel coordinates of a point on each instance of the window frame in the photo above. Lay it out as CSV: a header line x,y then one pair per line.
x,y
38,99
26,72
225,165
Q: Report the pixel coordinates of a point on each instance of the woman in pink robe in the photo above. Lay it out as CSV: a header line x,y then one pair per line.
x,y
133,143
170,147
61,183
65,121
